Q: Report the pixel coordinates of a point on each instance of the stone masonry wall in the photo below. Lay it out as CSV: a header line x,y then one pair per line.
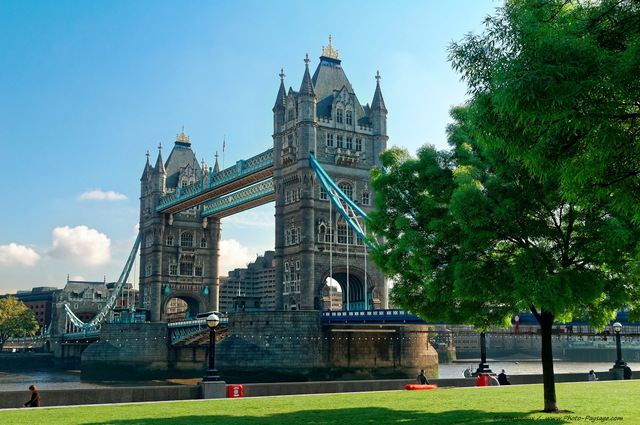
x,y
130,349
295,342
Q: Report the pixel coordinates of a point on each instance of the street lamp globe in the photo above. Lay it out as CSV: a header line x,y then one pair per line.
x,y
617,327
213,320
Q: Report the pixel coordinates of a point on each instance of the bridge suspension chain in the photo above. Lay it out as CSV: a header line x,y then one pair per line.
x,y
113,296
348,209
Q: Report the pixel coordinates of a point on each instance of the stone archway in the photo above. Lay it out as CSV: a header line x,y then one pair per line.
x,y
181,307
352,286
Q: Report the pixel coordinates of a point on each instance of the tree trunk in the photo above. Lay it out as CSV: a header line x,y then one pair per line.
x,y
548,379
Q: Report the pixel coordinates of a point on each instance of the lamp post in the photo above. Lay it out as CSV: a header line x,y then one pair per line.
x,y
617,327
617,371
212,374
483,367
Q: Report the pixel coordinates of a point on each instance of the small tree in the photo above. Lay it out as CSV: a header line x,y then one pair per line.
x,y
15,319
470,237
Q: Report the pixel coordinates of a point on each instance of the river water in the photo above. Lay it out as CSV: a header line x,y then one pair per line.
x,y
60,379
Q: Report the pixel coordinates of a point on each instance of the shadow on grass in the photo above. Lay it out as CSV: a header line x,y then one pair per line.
x,y
354,416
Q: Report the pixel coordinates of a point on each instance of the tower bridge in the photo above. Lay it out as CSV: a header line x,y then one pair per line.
x,y
325,142
322,125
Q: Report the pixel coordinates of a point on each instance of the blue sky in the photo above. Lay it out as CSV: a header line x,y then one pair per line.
x,y
88,87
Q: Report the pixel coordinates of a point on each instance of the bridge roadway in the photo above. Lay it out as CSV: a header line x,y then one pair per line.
x,y
247,184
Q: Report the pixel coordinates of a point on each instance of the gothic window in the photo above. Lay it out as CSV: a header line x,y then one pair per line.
x,y
199,271
349,117
345,234
170,240
349,142
290,140
339,116
148,239
328,236
173,269
330,140
186,268
184,183
147,270
186,239
340,141
323,193
347,189
366,198
286,197
342,233
358,144
203,243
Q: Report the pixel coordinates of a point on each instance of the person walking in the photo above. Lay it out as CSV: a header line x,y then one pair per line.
x,y
422,379
35,398
502,378
626,372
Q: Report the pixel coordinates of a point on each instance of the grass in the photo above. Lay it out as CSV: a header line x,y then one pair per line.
x,y
614,402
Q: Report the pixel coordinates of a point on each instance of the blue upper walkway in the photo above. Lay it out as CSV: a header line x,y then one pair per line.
x,y
247,184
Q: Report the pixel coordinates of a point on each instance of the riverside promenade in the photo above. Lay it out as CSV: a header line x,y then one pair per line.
x,y
70,397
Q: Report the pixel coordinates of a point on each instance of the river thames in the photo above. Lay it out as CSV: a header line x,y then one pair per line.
x,y
60,379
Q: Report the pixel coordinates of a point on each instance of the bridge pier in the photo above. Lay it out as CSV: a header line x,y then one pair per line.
x,y
295,343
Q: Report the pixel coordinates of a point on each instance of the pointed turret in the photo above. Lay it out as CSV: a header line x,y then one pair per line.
x,y
147,168
282,93
378,100
378,112
216,167
306,88
159,162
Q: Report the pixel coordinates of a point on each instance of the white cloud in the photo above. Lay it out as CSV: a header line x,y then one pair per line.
x,y
13,254
233,255
81,245
99,195
77,278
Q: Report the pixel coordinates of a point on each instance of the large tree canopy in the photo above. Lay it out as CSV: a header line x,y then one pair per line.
x,y
15,319
565,74
469,236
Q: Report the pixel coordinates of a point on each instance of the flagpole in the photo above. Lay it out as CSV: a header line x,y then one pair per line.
x,y
224,145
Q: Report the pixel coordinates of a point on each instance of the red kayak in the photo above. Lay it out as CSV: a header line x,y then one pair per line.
x,y
420,387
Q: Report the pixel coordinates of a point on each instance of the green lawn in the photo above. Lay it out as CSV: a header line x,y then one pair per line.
x,y
615,402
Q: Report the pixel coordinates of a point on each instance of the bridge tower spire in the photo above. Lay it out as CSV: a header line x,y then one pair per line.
x,y
324,118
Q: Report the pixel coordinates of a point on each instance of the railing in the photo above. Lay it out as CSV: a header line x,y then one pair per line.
x,y
392,316
93,333
178,331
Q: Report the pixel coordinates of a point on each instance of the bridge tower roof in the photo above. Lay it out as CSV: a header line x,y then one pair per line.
x,y
329,79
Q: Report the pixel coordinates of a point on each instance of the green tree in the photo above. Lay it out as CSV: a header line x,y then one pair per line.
x,y
15,319
565,74
469,236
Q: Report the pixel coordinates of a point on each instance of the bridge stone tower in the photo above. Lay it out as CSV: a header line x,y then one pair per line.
x,y
313,242
178,252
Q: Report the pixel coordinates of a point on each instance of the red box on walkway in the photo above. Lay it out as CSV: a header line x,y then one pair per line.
x,y
235,391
